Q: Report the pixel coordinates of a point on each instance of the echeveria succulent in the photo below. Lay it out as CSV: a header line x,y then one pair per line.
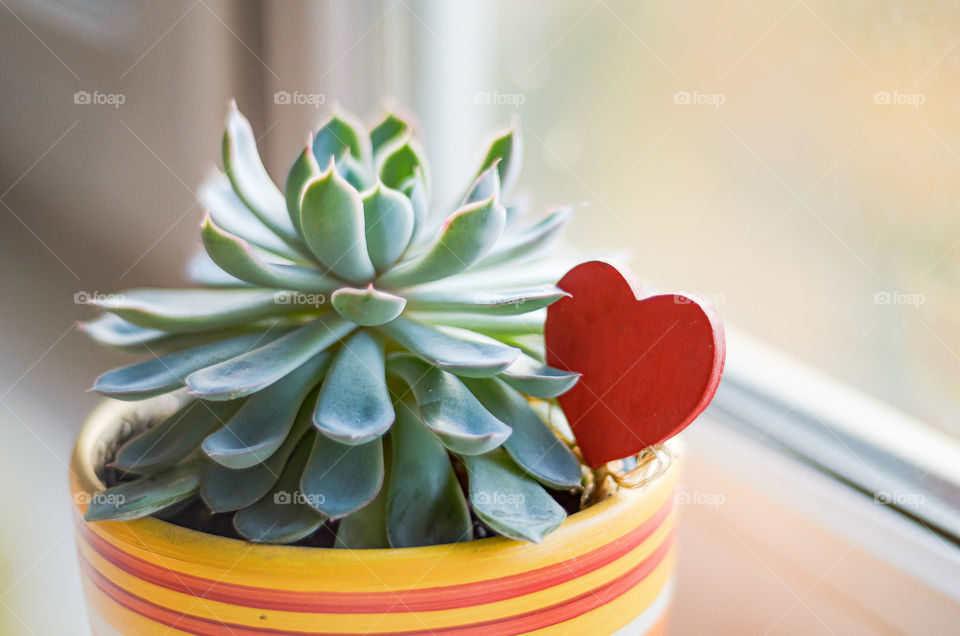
x,y
342,355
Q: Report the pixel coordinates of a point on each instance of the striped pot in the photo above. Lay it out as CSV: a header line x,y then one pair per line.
x,y
606,570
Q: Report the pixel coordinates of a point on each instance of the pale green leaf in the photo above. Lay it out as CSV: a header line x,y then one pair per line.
x,y
236,257
389,222
367,307
340,479
281,516
532,444
496,303
262,424
146,495
332,220
537,379
229,212
201,270
507,149
186,310
399,161
465,238
168,372
491,326
425,503
342,133
354,405
508,501
388,129
227,489
250,179
485,186
170,440
456,350
448,408
304,169
530,242
263,366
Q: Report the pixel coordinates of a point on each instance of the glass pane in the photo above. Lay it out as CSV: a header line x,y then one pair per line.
x,y
794,162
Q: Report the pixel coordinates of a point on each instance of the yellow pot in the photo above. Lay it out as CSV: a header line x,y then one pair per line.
x,y
606,570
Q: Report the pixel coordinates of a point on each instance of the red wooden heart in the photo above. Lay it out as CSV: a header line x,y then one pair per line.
x,y
649,365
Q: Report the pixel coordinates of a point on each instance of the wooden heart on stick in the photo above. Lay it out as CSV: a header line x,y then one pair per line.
x,y
649,365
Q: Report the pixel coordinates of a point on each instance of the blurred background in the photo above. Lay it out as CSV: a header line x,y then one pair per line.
x,y
794,161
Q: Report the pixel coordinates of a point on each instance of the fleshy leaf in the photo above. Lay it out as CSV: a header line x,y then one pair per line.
x,y
168,372
389,128
167,442
389,222
114,331
304,169
485,186
281,516
339,479
495,326
531,241
236,257
355,173
455,350
448,408
465,237
354,405
506,303
536,379
263,366
342,133
185,310
366,528
264,421
425,503
399,161
415,189
146,495
507,149
226,489
534,447
229,212
332,219
201,269
367,307
508,501
250,179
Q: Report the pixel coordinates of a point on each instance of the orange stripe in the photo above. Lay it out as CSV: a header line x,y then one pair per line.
x,y
516,624
426,599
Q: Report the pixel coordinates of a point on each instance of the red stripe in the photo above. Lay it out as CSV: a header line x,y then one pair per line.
x,y
425,599
517,624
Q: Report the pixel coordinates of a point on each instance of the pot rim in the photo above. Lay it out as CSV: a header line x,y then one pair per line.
x,y
109,419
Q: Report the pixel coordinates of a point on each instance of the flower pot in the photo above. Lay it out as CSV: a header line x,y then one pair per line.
x,y
606,570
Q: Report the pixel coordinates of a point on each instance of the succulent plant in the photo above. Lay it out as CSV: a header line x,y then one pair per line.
x,y
342,355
